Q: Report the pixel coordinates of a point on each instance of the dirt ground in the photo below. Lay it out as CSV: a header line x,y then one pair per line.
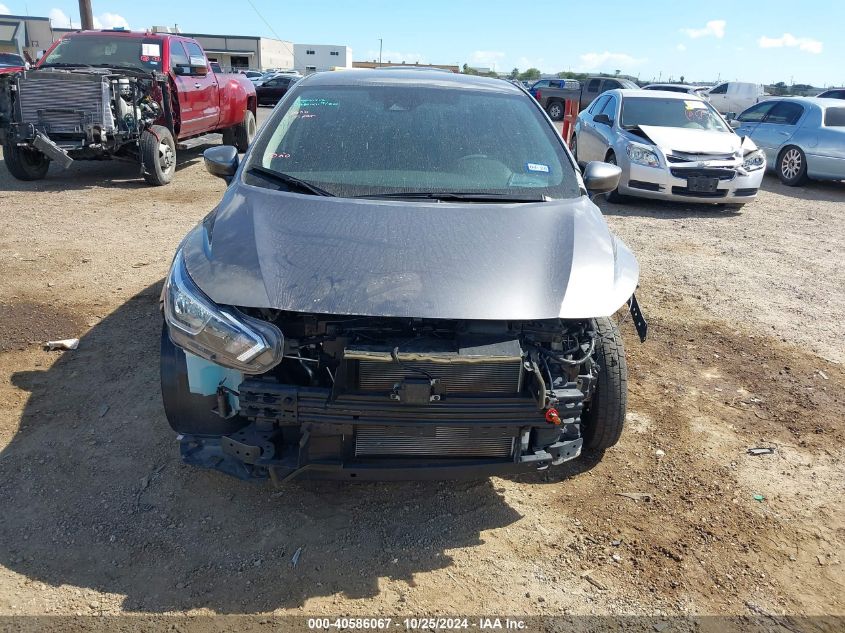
x,y
98,516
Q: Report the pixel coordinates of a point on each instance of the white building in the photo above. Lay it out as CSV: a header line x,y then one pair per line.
x,y
238,52
310,58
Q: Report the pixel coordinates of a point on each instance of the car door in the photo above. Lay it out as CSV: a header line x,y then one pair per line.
x,y
778,126
605,133
753,116
719,97
588,137
198,95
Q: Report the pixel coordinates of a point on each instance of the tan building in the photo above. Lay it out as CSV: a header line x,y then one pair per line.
x,y
25,35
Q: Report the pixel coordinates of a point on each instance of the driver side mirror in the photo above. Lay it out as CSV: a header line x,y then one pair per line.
x,y
221,161
601,177
603,119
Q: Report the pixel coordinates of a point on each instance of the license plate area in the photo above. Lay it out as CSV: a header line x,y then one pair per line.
x,y
702,184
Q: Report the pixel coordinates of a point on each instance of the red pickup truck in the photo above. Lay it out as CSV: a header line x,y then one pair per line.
x,y
119,94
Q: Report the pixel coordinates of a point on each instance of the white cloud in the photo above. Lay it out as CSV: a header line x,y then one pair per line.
x,y
593,61
788,40
4,9
530,62
60,19
487,59
680,48
110,21
714,28
397,57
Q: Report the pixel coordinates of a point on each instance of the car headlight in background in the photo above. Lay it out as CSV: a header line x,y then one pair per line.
x,y
642,156
754,161
222,335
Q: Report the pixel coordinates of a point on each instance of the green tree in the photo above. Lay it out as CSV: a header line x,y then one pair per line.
x,y
469,71
514,74
682,79
779,89
532,74
616,72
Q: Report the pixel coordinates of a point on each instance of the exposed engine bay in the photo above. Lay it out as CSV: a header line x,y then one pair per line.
x,y
363,391
88,113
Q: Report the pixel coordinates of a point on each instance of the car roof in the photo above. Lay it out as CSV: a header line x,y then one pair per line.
x,y
655,94
687,86
818,102
415,77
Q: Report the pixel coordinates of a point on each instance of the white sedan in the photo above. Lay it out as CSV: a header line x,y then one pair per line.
x,y
670,146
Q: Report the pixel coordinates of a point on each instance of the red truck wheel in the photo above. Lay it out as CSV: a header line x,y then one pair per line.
x,y
158,152
241,135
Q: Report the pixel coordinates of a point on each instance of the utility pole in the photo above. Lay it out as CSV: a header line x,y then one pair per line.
x,y
86,15
379,50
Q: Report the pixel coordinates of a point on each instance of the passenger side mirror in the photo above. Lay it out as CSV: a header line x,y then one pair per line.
x,y
601,177
199,70
221,161
603,119
734,123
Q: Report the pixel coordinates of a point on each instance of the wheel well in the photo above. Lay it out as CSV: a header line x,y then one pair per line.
x,y
610,153
252,104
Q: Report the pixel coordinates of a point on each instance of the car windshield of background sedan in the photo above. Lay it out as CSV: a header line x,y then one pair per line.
x,y
686,113
386,140
11,59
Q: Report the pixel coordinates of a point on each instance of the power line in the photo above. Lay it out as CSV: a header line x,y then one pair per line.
x,y
273,31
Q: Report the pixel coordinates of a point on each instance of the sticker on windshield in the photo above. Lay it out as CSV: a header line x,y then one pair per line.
x,y
537,168
695,105
150,50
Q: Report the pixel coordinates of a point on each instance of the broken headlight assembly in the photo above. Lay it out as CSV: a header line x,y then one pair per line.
x,y
754,161
222,335
642,156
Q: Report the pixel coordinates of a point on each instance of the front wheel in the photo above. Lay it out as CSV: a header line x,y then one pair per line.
x,y
25,164
792,166
555,110
612,196
158,152
604,417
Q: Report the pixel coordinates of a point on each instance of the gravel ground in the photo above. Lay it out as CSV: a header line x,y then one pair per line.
x,y
99,517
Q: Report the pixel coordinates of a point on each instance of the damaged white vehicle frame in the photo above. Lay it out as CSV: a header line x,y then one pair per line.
x,y
670,146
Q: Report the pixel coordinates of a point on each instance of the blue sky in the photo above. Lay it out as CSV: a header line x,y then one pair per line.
x,y
761,42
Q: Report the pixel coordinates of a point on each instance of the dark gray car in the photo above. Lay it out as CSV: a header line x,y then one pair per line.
x,y
406,278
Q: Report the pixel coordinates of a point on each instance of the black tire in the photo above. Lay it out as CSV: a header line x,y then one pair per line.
x,y
573,147
556,110
792,166
188,412
158,152
25,164
612,196
604,417
241,135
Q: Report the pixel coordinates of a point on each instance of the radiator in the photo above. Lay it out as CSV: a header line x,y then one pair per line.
x,y
65,103
439,441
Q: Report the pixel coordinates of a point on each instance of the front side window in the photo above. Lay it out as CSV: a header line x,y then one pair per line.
x,y
195,54
178,56
593,86
720,90
383,140
597,105
685,113
757,112
610,108
610,84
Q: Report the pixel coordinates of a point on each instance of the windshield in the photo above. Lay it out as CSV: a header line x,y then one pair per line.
x,y
691,113
394,139
11,59
112,51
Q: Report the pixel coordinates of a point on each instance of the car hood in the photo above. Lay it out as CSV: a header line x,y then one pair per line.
x,y
689,141
269,249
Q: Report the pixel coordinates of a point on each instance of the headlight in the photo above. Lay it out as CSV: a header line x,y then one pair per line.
x,y
221,335
642,156
754,161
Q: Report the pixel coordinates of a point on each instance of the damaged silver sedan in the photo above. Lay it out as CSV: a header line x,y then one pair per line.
x,y
405,279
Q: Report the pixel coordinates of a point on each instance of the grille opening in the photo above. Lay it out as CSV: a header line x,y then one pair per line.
x,y
436,441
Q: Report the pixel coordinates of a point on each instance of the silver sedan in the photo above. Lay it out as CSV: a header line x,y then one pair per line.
x,y
804,137
670,146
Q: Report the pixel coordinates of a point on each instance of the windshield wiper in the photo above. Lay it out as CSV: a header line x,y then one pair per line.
x,y
465,196
64,65
290,182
